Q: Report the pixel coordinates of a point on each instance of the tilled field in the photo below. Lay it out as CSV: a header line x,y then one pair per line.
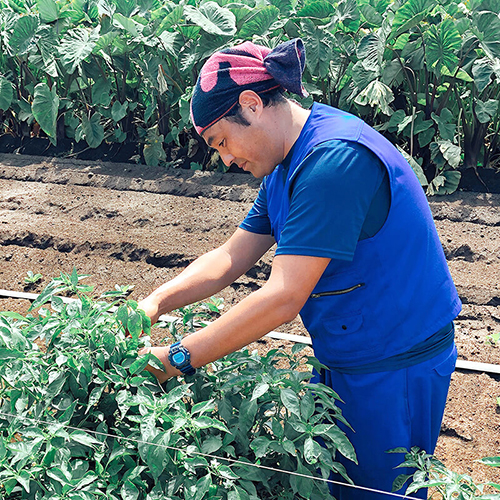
x,y
140,226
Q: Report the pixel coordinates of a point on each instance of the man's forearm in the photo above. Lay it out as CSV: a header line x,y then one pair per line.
x,y
249,320
204,277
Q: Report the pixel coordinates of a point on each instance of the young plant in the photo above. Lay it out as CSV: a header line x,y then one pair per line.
x,y
431,473
31,278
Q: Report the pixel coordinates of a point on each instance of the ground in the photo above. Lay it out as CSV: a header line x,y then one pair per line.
x,y
127,224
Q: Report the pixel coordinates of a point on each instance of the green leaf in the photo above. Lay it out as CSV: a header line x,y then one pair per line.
x,y
312,450
259,390
370,51
6,93
212,18
23,35
318,43
129,491
45,108
307,405
485,111
76,46
119,111
129,25
260,445
400,481
93,131
442,44
153,149
318,9
487,27
48,10
211,444
139,364
202,486
377,95
84,438
482,70
260,22
491,461
451,152
446,129
409,15
416,167
291,401
341,442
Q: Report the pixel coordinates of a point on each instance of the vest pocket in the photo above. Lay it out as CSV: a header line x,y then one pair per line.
x,y
332,293
344,324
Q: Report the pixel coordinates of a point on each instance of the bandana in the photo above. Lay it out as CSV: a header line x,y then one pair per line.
x,y
245,67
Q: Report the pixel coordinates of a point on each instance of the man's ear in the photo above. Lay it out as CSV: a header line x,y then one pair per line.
x,y
251,103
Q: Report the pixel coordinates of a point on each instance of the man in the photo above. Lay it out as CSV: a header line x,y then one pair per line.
x,y
357,255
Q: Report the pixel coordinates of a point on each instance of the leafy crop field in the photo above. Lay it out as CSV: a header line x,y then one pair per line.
x,y
423,72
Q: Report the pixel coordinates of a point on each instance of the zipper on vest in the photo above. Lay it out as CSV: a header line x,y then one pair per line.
x,y
336,292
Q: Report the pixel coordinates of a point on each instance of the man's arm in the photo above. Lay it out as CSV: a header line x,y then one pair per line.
x,y
208,274
293,277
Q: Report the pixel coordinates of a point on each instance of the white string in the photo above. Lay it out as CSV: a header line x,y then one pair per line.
x,y
233,460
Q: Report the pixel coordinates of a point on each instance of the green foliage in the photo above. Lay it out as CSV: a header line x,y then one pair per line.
x,y
80,418
431,473
32,278
425,73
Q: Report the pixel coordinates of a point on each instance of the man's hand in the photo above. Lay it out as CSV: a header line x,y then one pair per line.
x,y
151,308
162,354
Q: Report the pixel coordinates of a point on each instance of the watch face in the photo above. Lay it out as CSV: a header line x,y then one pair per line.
x,y
179,358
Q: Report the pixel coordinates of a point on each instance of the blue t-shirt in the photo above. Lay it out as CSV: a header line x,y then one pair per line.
x,y
340,195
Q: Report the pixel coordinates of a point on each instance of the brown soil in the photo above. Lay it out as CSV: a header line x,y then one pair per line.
x,y
137,225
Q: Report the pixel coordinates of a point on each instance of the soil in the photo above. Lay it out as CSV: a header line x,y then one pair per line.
x,y
125,224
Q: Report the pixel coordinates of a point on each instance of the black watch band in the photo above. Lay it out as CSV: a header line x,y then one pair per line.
x,y
180,358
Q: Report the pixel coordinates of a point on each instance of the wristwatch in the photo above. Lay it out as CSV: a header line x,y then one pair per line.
x,y
180,358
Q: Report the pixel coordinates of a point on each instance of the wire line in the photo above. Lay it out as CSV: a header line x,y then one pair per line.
x,y
207,455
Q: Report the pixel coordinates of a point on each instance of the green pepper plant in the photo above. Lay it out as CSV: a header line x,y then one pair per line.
x,y
80,419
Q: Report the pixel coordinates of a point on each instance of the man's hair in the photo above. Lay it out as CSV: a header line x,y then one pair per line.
x,y
271,98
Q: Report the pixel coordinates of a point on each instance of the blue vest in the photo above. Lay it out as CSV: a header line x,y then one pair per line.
x,y
397,291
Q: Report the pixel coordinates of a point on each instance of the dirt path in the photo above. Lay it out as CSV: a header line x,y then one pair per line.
x,y
139,225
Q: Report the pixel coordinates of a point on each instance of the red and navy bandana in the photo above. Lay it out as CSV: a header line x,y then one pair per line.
x,y
245,67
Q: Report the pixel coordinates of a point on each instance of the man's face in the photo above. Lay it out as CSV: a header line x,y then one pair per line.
x,y
249,147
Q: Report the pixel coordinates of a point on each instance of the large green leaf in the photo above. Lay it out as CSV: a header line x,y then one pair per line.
x,y
318,43
442,44
409,15
485,111
482,71
445,124
171,42
6,93
77,45
45,108
212,18
153,149
23,35
377,95
93,130
370,51
487,28
347,13
318,9
48,10
129,25
260,23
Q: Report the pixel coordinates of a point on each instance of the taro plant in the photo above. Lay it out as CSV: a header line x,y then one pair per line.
x,y
81,420
431,473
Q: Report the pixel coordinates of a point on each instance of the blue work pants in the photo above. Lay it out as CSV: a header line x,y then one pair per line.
x,y
400,408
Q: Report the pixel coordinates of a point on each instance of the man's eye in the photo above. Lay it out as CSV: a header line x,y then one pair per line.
x,y
222,143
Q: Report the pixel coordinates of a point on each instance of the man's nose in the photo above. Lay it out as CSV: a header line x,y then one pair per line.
x,y
227,158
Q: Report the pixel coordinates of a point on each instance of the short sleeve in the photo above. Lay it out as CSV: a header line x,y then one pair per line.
x,y
257,220
331,198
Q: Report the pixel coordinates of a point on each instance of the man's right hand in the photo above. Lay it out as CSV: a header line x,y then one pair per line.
x,y
151,308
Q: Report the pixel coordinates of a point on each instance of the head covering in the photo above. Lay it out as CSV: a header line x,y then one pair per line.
x,y
245,67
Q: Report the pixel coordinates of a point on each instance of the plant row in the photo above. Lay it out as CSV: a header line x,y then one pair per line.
x,y
80,419
424,72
